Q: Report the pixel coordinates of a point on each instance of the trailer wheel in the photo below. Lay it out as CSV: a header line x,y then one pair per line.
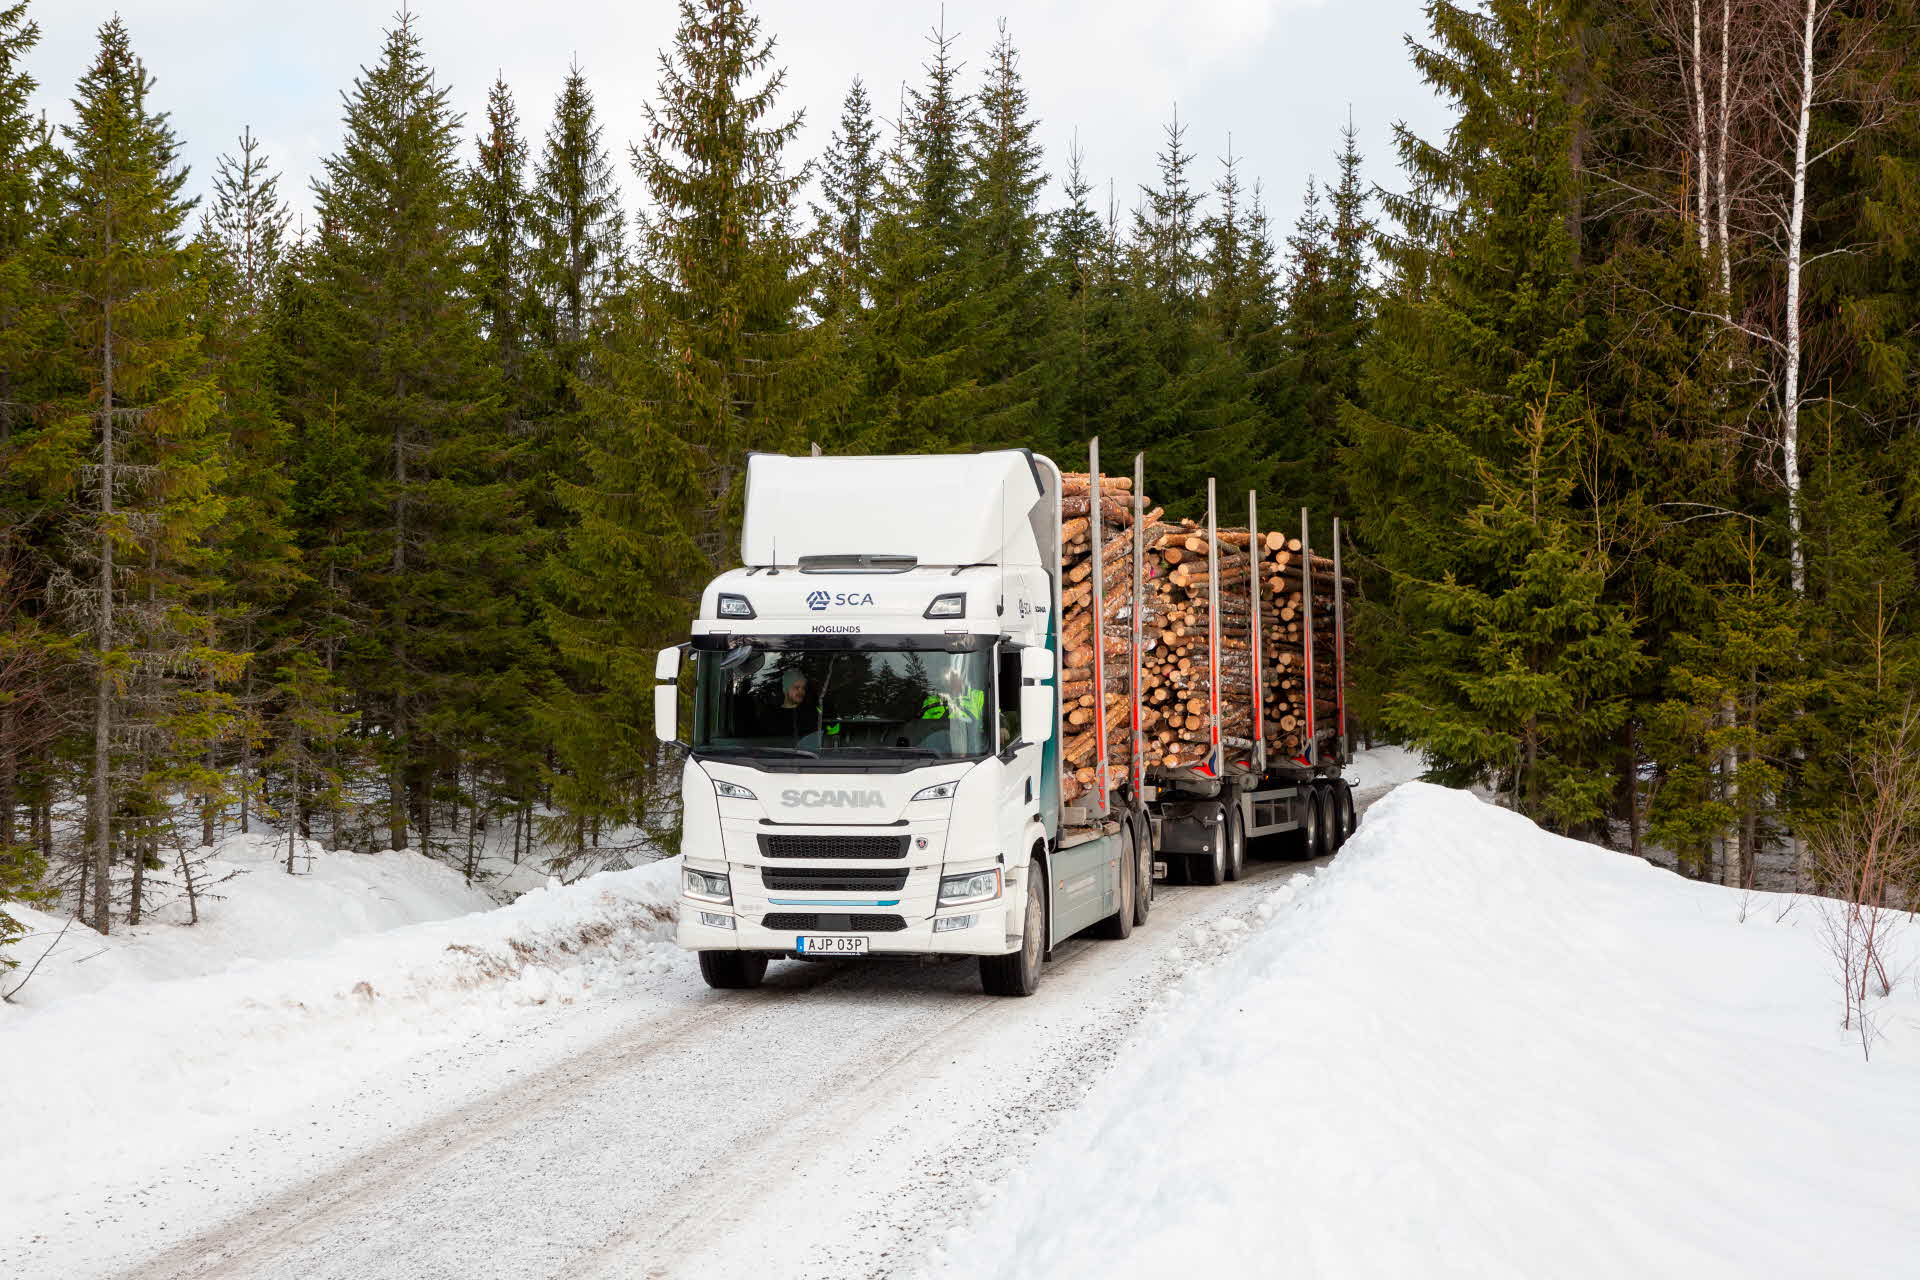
x,y
1346,802
733,970
1120,923
1308,839
1340,806
1323,844
1019,974
1143,873
1235,838
1211,868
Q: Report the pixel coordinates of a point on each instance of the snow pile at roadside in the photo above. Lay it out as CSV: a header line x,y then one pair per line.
x,y
250,910
131,1074
1379,768
1471,1048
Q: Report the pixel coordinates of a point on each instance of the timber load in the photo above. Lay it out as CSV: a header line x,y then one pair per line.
x,y
1197,626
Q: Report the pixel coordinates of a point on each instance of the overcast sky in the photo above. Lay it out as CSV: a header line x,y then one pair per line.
x,y
1278,75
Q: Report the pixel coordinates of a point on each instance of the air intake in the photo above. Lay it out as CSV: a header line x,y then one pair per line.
x,y
857,564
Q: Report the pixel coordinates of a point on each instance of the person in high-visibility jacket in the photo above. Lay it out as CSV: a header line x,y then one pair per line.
x,y
969,706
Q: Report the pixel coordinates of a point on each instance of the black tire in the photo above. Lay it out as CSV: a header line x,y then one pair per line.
x,y
733,970
1323,835
1346,802
1120,924
1235,838
1019,974
1143,886
1310,835
1211,868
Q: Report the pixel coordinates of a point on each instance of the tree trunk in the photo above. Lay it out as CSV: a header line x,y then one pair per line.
x,y
1796,224
102,802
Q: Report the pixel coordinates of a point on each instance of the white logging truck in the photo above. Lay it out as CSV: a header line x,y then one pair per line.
x,y
968,705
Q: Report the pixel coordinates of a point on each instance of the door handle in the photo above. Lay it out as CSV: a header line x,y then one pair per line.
x,y
1029,789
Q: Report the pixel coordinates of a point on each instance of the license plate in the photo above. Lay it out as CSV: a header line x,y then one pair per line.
x,y
833,945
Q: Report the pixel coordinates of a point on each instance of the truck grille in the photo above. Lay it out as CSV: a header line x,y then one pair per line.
x,y
804,921
833,846
835,879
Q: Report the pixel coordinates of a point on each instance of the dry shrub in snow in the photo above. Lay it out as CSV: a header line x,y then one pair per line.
x,y
1866,857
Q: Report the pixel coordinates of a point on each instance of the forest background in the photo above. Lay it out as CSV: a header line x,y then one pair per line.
x,y
368,525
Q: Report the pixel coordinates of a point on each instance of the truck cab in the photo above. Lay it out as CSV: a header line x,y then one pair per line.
x,y
871,765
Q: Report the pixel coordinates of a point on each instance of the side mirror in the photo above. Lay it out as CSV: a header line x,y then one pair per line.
x,y
1038,708
666,695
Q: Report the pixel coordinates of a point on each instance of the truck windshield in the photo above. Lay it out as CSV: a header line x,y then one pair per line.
x,y
802,703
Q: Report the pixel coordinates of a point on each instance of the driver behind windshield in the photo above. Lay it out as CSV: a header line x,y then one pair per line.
x,y
791,719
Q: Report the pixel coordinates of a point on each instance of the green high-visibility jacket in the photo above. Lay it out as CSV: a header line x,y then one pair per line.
x,y
970,706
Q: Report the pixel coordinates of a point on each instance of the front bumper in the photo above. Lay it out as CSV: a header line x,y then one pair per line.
x,y
987,936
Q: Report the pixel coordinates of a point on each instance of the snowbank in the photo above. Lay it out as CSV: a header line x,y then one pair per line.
x,y
1377,769
1471,1048
251,910
132,1074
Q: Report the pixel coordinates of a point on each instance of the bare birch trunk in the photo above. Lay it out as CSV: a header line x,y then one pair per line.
x,y
1730,780
1721,198
1796,224
1700,169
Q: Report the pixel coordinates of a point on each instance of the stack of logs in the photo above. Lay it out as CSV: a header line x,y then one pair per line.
x,y
1175,634
1079,750
1283,661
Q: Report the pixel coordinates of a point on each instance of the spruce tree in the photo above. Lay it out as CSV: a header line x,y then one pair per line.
x,y
704,363
390,348
1204,420
1511,659
1006,255
242,242
30,652
138,410
850,173
917,380
499,196
577,257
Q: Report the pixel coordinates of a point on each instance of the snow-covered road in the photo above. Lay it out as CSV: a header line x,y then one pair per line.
x,y
840,1121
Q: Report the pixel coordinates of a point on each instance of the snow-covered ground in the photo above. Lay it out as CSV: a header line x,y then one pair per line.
x,y
251,911
1463,1047
1471,1048
135,1069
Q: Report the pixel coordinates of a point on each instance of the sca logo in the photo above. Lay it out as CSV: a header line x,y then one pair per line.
x,y
817,600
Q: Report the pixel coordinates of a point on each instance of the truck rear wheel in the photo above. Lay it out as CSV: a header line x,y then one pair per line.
x,y
1235,838
1120,923
1019,974
1143,873
1211,868
733,970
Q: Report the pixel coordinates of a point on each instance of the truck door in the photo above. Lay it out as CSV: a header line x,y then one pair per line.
x,y
1020,769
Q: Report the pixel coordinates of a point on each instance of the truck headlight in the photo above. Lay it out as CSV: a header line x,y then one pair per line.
x,y
707,887
732,791
938,791
975,886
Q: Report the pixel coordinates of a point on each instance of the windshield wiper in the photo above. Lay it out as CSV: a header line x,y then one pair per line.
x,y
766,751
888,751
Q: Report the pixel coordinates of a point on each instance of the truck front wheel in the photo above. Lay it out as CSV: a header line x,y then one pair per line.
x,y
732,970
1019,974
